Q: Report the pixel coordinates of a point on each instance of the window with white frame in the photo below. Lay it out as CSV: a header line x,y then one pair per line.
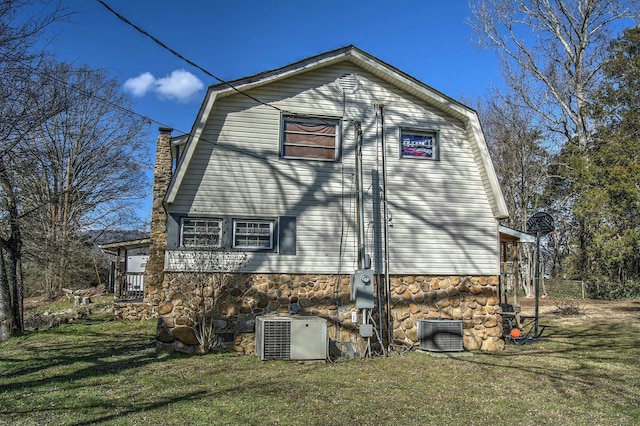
x,y
200,232
419,144
253,234
311,138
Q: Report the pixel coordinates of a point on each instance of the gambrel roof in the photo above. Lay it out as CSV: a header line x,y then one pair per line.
x,y
370,64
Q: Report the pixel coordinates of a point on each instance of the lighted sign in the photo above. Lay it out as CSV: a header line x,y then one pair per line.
x,y
419,146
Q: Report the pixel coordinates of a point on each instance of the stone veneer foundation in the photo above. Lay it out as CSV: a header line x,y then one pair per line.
x,y
132,311
473,300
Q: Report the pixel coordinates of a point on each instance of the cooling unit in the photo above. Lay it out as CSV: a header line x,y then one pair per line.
x,y
294,338
440,335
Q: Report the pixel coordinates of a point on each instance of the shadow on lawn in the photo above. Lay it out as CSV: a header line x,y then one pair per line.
x,y
599,358
158,404
70,356
77,344
634,308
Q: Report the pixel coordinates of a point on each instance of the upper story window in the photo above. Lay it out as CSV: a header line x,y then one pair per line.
x,y
312,138
253,234
201,233
419,144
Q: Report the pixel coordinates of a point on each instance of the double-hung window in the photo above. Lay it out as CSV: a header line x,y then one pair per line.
x,y
253,234
201,233
312,138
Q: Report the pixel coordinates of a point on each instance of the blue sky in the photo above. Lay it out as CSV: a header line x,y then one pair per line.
x,y
428,39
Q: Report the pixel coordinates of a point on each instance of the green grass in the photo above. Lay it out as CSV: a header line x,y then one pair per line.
x,y
107,373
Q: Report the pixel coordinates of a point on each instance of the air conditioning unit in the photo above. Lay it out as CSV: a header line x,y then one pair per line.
x,y
440,335
291,338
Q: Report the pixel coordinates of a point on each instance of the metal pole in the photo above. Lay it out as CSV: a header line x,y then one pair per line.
x,y
387,277
377,254
362,256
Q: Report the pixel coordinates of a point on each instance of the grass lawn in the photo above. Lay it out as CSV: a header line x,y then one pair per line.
x,y
585,373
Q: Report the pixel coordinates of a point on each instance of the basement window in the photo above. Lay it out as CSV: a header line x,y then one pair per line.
x,y
310,138
419,144
253,234
200,233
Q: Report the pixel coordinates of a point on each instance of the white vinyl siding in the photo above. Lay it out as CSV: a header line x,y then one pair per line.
x,y
442,220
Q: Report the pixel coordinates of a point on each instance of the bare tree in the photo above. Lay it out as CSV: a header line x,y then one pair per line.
x,y
81,168
212,272
22,108
519,154
521,160
552,51
72,157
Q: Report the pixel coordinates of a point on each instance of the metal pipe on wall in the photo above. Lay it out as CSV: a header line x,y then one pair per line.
x,y
387,278
362,255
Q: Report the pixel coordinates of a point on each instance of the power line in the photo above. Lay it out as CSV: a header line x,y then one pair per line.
x,y
51,76
204,70
86,94
178,55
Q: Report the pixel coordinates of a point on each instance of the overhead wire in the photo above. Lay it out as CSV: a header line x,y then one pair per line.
x,y
81,91
183,58
152,120
197,66
149,119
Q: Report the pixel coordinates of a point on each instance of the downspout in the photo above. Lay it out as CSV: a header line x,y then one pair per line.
x,y
387,278
362,255
363,262
377,240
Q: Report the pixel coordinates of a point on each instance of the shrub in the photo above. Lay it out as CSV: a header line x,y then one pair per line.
x,y
613,290
568,307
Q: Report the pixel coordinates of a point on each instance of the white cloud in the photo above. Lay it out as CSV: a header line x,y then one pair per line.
x,y
140,85
180,85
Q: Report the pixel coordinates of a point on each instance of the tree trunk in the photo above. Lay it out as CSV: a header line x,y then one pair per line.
x,y
6,310
15,276
13,247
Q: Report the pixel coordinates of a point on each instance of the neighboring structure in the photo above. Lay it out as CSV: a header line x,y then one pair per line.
x,y
269,170
126,277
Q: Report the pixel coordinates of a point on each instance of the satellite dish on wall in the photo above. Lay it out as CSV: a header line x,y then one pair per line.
x,y
348,83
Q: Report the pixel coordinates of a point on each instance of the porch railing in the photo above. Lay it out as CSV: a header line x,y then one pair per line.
x,y
131,286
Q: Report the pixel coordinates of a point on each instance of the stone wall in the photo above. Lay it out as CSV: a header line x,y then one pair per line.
x,y
132,311
173,296
154,270
473,300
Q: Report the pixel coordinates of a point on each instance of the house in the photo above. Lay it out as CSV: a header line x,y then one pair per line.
x,y
334,164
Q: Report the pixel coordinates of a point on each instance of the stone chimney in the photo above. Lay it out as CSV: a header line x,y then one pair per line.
x,y
154,271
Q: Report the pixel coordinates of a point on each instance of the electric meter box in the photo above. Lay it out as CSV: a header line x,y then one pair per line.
x,y
362,288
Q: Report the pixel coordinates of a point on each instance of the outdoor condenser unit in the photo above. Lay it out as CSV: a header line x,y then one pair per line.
x,y
291,338
440,335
